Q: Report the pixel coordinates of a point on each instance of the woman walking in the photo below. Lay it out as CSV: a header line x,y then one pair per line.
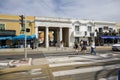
x,y
84,48
61,45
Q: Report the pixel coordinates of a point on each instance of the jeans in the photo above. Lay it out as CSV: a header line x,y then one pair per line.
x,y
93,51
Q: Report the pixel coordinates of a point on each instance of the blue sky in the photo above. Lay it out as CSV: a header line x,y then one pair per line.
x,y
107,10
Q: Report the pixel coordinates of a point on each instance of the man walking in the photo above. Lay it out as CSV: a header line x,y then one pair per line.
x,y
93,48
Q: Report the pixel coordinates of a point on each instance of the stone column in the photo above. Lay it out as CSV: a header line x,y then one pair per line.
x,y
61,34
46,37
36,31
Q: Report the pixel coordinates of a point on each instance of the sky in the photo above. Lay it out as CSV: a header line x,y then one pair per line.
x,y
107,10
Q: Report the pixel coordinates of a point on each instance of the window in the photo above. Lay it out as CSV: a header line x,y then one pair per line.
x,y
105,27
2,26
89,28
76,28
27,30
110,29
100,30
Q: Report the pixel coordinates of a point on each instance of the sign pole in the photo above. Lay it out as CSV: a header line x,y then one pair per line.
x,y
25,48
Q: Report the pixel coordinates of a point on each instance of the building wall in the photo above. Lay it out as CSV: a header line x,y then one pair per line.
x,y
59,25
118,27
82,33
12,22
102,24
83,26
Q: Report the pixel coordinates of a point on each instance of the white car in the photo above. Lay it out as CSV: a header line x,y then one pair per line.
x,y
116,47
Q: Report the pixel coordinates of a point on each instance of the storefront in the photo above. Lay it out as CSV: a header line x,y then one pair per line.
x,y
8,39
110,39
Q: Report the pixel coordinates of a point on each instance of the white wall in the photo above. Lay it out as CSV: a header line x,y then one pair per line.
x,y
101,24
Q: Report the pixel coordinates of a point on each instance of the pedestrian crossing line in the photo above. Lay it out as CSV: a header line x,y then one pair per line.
x,y
57,64
110,78
3,64
84,70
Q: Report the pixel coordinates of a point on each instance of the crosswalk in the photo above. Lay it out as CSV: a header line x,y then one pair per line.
x,y
68,66
110,78
77,59
4,64
85,70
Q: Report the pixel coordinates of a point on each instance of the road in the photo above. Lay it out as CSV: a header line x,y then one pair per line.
x,y
75,72
19,55
67,66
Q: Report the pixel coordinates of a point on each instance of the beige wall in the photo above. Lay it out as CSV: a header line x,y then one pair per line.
x,y
12,23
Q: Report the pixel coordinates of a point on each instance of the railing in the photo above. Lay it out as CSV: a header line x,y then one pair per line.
x,y
79,33
82,33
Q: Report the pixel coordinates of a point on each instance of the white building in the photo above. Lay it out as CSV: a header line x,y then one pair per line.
x,y
105,26
82,30
58,26
68,30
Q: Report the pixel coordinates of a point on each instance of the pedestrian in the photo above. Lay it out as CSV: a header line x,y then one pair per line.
x,y
84,47
81,44
32,44
76,46
93,48
61,45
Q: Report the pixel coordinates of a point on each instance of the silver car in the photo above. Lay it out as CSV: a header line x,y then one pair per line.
x,y
116,47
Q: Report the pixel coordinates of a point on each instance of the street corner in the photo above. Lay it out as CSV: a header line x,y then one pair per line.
x,y
21,62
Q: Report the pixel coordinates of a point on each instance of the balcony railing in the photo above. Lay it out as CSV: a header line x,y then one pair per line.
x,y
78,33
82,33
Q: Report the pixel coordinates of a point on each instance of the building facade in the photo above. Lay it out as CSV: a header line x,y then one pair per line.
x,y
10,26
12,22
51,31
82,30
107,32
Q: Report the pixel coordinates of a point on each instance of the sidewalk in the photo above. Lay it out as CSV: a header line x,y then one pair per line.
x,y
46,50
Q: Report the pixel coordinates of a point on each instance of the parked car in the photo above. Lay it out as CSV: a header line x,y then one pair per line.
x,y
116,47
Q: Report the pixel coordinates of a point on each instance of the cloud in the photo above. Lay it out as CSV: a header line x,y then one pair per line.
x,y
28,7
81,9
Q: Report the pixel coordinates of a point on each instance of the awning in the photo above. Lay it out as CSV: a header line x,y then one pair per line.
x,y
6,38
31,36
22,37
110,37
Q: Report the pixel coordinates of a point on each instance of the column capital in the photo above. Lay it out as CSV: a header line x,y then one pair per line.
x,y
47,26
61,27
